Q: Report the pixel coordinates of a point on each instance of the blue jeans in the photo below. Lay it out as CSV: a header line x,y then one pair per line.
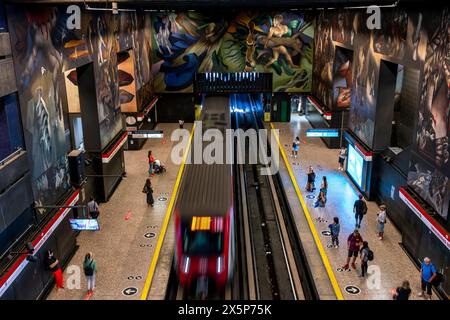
x,y
150,167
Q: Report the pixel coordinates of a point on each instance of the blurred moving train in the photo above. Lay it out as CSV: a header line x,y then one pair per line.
x,y
204,216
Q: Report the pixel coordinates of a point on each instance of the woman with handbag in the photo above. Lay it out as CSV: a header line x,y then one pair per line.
x,y
53,265
148,190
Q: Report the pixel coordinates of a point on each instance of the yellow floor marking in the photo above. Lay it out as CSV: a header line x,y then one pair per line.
x,y
155,258
326,262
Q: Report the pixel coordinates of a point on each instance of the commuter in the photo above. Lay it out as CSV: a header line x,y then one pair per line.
x,y
324,185
366,255
403,292
335,228
311,180
427,274
381,221
90,268
151,162
342,157
360,209
353,242
181,123
53,265
148,190
320,203
93,211
295,147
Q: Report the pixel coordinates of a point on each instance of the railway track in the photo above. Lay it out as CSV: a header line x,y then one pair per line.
x,y
270,260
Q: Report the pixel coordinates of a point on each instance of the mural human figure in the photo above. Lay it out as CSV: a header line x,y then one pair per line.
x,y
280,30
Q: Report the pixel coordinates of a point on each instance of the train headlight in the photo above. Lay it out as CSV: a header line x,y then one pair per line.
x,y
185,264
220,264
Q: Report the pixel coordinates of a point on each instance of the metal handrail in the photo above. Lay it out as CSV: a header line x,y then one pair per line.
x,y
12,155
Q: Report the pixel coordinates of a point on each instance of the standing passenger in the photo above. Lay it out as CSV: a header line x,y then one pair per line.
x,y
342,156
403,292
148,190
364,258
54,266
151,161
353,242
90,268
335,228
295,147
311,179
427,274
93,211
381,221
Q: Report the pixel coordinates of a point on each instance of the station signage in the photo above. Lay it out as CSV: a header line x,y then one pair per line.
x,y
147,134
322,133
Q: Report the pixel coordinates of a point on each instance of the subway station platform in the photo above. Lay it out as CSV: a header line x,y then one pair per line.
x,y
391,265
129,229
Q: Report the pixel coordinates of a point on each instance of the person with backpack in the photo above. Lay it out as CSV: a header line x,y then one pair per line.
x,y
148,190
366,255
335,228
360,209
353,242
295,147
381,221
93,211
311,179
90,268
428,273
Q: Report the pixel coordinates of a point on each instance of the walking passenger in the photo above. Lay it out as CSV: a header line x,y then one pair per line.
x,y
324,185
335,228
151,162
354,241
148,190
311,180
90,268
381,221
427,275
93,211
295,147
54,266
403,292
360,209
365,257
342,157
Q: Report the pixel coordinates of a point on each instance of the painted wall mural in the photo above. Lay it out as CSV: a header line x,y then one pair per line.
x,y
43,50
342,77
430,173
127,84
190,42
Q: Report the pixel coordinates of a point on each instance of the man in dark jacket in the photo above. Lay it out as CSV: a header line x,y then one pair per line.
x,y
360,209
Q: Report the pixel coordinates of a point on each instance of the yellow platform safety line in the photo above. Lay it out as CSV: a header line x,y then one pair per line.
x,y
155,258
326,262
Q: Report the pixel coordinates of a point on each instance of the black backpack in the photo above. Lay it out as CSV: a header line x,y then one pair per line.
x,y
89,269
370,255
437,279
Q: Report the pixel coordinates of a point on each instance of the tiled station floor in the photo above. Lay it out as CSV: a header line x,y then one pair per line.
x,y
390,260
129,229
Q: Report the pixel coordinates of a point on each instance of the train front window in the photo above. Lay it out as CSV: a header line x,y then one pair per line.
x,y
201,241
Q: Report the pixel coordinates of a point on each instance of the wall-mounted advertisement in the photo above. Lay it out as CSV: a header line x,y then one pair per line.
x,y
355,166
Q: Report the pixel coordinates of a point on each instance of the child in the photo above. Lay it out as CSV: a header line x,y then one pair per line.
x,y
335,228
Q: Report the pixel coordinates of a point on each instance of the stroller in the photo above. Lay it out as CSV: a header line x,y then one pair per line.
x,y
159,167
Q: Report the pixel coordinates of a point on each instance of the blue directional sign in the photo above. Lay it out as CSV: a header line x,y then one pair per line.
x,y
322,133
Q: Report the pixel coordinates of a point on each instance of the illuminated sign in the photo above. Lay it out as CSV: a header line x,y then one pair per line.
x,y
322,133
201,224
147,134
84,224
355,165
